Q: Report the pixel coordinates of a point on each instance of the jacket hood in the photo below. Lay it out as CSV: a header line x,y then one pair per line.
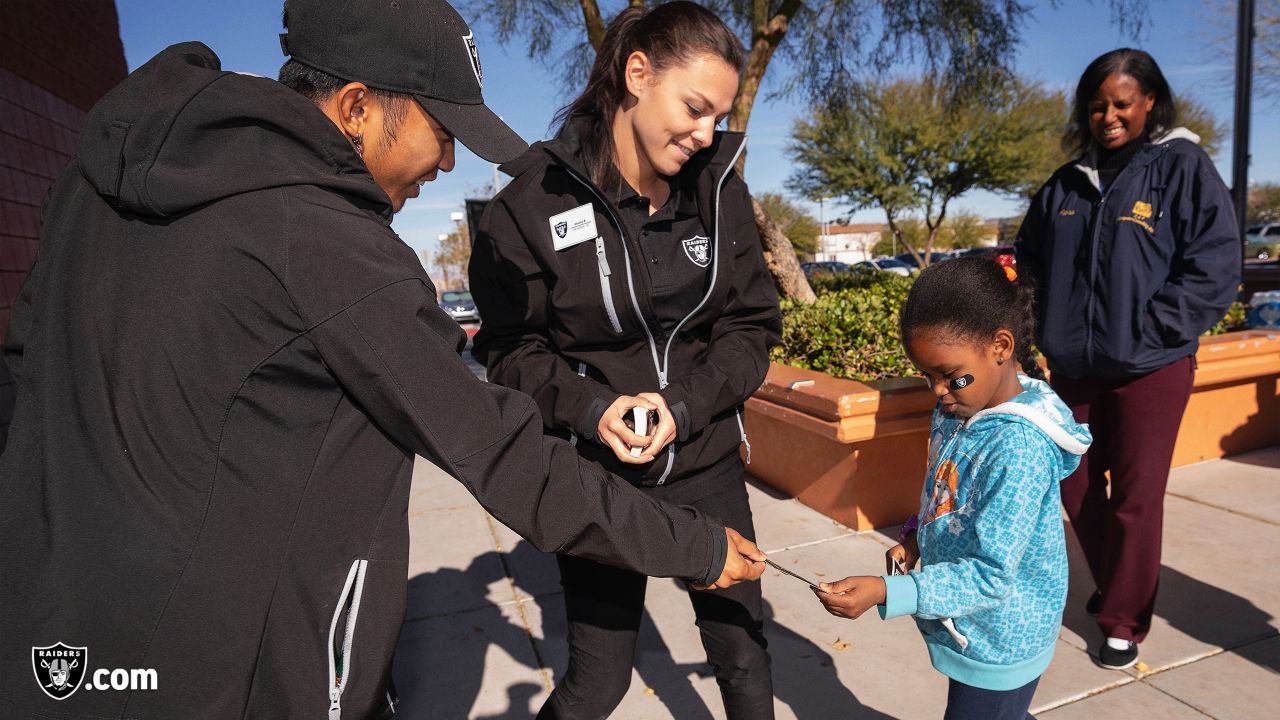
x,y
179,133
1088,163
1037,405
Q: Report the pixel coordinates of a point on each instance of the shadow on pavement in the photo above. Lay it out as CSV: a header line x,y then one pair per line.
x,y
805,679
440,660
1204,612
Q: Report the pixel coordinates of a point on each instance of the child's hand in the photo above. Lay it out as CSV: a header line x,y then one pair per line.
x,y
907,554
852,596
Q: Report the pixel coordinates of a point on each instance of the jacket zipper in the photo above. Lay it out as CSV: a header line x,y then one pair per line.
x,y
582,372
352,589
1093,270
631,290
661,366
603,263
1093,257
711,286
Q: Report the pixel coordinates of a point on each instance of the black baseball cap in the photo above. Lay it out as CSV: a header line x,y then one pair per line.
x,y
419,47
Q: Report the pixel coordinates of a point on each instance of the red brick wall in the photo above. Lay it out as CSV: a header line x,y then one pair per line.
x,y
57,57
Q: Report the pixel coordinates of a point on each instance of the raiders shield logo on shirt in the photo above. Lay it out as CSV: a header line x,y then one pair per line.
x,y
562,229
698,250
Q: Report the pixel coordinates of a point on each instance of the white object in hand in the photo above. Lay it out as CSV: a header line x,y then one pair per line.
x,y
641,418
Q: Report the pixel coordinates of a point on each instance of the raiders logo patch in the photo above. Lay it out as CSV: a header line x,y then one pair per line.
x,y
698,250
474,55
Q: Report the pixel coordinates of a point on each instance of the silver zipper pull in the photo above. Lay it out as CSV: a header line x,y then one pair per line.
x,y
335,704
662,380
604,262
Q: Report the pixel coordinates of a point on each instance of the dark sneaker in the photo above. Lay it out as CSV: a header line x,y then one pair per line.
x,y
1114,658
1094,606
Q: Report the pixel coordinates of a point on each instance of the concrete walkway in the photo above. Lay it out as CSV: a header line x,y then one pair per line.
x,y
484,635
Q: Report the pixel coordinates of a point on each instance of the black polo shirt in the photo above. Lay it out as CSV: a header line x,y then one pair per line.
x,y
675,247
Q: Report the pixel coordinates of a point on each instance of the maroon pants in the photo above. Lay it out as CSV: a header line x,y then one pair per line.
x,y
1134,422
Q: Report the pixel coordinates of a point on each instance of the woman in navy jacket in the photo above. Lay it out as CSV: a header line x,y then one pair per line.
x,y
1135,252
621,269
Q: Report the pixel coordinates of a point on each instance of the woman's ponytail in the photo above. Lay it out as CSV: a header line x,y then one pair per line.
x,y
668,34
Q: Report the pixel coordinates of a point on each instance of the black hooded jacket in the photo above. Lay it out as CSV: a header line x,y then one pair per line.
x,y
577,327
226,361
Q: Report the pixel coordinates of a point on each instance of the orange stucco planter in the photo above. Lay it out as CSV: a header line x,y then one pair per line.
x,y
856,451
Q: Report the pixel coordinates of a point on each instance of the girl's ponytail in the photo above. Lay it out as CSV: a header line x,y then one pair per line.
x,y
1026,330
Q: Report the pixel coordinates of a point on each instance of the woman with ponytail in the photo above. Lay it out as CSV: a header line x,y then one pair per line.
x,y
992,582
623,288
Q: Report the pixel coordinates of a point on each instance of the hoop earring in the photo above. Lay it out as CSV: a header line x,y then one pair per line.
x,y
357,142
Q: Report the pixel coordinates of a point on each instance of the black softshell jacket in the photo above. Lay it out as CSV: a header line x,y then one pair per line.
x,y
226,361
577,327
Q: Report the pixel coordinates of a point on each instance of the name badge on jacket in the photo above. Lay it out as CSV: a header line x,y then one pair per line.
x,y
573,226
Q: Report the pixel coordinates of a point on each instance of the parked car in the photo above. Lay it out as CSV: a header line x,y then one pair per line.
x,y
910,261
459,305
885,264
1003,253
1262,241
827,267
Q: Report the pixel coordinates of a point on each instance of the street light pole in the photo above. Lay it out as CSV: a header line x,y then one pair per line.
x,y
1240,136
822,229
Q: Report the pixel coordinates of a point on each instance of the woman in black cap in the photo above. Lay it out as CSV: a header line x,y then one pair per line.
x,y
621,270
1135,251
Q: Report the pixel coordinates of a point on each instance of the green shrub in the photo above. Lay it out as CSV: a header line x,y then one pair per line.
x,y
852,329
1233,320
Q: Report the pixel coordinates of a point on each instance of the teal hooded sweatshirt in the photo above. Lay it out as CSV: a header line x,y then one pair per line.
x,y
992,582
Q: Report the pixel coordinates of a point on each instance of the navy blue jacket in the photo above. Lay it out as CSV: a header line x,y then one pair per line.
x,y
1128,279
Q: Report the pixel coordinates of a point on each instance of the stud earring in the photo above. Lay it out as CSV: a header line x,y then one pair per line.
x,y
1000,361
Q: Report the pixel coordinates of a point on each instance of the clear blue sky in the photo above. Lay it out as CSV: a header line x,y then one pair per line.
x,y
1056,46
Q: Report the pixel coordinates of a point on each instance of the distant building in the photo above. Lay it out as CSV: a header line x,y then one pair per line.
x,y
56,60
848,243
855,243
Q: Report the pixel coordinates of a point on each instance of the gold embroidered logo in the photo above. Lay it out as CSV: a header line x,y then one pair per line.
x,y
1142,210
1066,212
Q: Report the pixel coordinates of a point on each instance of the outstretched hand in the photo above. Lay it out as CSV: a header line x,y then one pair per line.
x,y
852,596
743,562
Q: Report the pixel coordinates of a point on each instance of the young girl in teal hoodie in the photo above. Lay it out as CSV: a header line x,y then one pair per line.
x,y
992,581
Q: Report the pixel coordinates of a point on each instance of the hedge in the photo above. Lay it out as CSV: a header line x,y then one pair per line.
x,y
852,329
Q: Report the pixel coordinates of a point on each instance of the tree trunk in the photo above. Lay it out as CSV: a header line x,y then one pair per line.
x,y
593,22
891,219
766,34
780,257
